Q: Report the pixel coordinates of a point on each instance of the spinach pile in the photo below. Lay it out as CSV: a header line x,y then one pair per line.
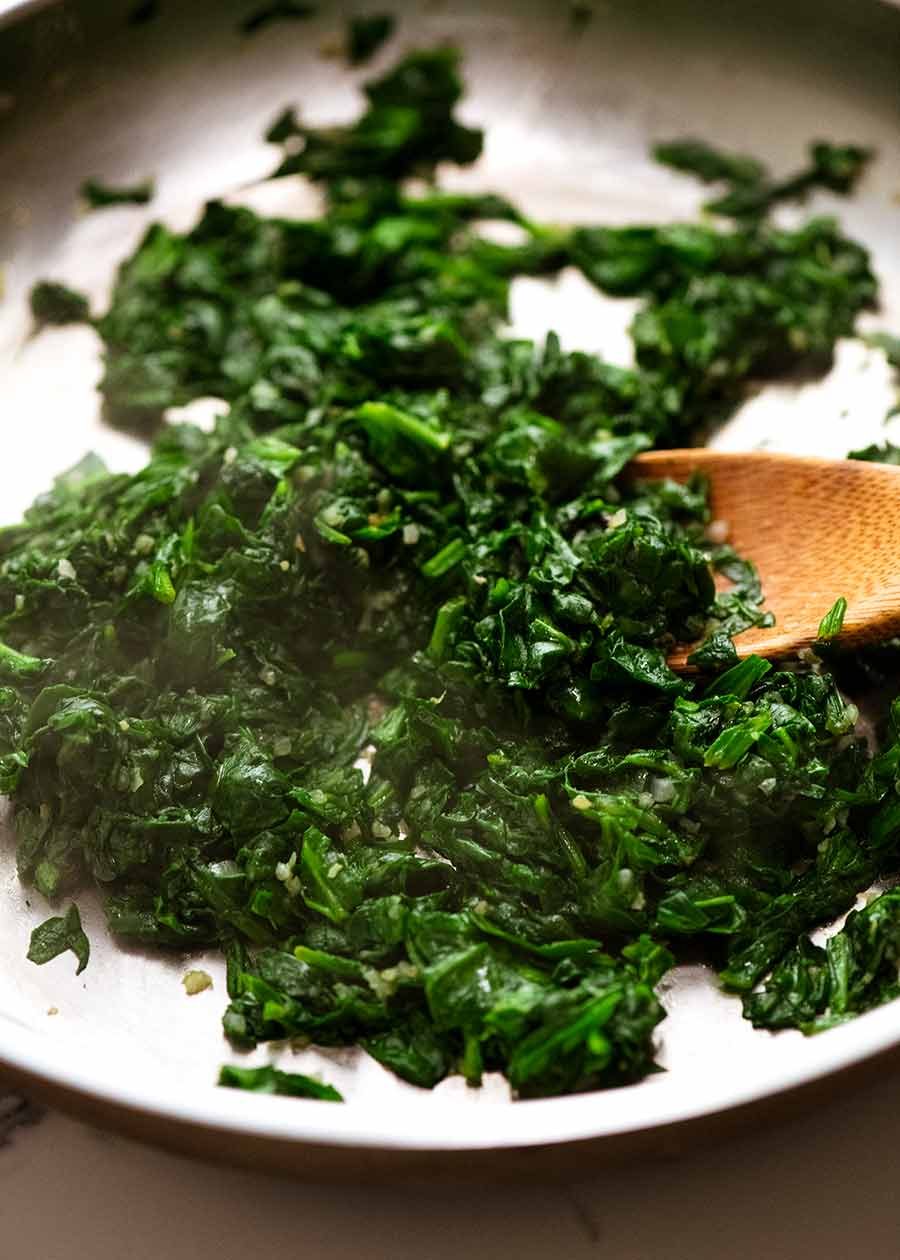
x,y
413,536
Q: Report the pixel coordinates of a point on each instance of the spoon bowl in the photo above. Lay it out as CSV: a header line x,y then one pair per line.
x,y
816,529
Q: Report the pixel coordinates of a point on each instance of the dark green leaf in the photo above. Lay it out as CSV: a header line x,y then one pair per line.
x,y
53,303
55,935
831,624
366,34
269,1080
97,194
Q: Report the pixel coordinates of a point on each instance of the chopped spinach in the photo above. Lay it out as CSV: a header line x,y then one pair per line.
x,y
831,624
411,534
887,453
366,34
54,303
752,191
816,988
268,1080
282,10
696,157
55,935
407,128
96,195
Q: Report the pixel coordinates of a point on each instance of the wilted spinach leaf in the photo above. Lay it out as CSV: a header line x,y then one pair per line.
x,y
281,11
53,303
55,935
366,34
268,1080
97,194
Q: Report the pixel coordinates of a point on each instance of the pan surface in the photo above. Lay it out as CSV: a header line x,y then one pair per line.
x,y
569,116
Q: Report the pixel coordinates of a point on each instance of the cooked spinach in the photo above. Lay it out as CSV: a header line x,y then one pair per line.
x,y
282,10
54,303
832,623
97,195
366,34
413,535
752,191
406,129
268,1080
57,934
887,453
696,157
816,988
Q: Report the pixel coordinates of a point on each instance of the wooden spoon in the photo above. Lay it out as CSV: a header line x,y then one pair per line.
x,y
816,529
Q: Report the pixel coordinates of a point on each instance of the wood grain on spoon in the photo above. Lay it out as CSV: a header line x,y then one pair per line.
x,y
816,529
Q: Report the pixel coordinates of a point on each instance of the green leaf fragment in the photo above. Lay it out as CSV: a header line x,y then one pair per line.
x,y
736,741
269,1080
445,559
53,303
282,10
97,194
366,34
831,624
56,935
